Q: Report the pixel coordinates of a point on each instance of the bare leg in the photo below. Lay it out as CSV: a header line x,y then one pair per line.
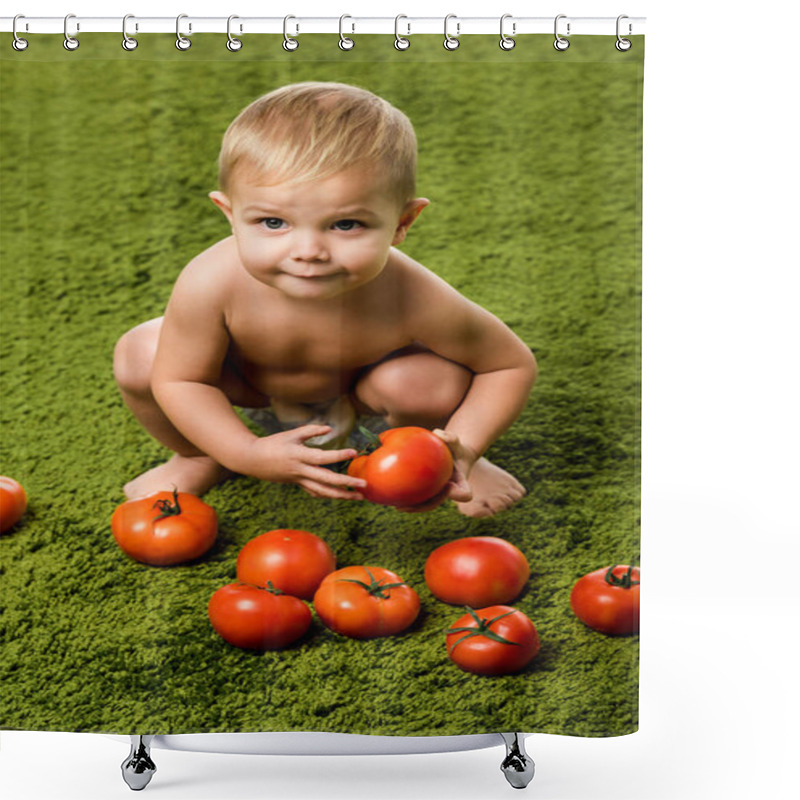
x,y
189,469
423,389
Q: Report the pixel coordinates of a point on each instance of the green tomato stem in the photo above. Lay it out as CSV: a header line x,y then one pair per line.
x,y
623,581
167,508
483,629
375,588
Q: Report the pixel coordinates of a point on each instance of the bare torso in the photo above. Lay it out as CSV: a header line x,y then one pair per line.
x,y
312,352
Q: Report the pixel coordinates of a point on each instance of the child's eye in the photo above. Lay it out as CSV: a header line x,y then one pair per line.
x,y
272,223
347,224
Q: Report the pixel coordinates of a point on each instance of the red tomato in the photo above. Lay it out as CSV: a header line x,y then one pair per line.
x,y
13,502
294,561
409,466
477,571
257,618
165,528
496,640
608,600
364,602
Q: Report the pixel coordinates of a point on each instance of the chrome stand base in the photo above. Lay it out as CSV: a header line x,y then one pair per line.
x,y
517,766
138,768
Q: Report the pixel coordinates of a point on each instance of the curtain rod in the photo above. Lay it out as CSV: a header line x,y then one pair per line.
x,y
346,25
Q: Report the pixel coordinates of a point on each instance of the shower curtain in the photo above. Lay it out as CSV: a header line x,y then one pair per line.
x,y
531,160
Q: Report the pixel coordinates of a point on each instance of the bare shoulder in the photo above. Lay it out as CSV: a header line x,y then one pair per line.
x,y
213,270
423,291
194,337
447,322
208,280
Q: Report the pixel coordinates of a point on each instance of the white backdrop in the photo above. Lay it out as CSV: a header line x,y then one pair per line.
x,y
719,694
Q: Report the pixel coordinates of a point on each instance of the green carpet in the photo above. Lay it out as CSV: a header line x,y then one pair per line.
x,y
532,161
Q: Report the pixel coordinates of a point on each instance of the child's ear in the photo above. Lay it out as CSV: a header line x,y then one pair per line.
x,y
222,202
411,211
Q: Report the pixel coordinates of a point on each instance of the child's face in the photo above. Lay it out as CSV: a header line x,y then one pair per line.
x,y
316,239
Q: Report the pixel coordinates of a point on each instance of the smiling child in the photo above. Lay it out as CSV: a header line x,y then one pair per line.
x,y
310,310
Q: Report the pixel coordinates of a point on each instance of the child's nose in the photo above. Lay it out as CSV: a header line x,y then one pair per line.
x,y
308,246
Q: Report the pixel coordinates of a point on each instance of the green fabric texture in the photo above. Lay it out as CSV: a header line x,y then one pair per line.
x,y
532,161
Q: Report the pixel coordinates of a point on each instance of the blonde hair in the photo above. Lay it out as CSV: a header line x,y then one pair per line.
x,y
313,130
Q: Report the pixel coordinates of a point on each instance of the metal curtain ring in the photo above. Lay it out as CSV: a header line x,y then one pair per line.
x,y
128,42
233,44
289,43
506,42
560,43
622,44
18,43
70,42
345,42
400,42
451,42
182,43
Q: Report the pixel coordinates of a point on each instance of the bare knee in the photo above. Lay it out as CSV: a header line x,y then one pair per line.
x,y
134,355
421,389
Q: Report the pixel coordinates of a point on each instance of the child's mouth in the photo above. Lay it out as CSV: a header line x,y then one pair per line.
x,y
313,276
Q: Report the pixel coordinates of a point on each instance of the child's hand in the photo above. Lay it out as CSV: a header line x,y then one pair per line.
x,y
457,488
285,458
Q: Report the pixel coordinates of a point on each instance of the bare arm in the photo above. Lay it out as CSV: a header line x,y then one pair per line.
x,y
186,383
504,367
188,366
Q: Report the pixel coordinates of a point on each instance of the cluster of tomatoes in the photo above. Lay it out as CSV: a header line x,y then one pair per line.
x,y
280,569
280,572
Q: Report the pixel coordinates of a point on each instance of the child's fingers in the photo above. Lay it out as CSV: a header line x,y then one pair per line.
x,y
450,439
327,477
317,489
316,456
305,432
459,489
447,437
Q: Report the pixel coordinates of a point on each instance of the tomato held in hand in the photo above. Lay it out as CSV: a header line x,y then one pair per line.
x,y
257,618
13,502
165,528
607,600
365,602
409,466
497,640
293,561
476,571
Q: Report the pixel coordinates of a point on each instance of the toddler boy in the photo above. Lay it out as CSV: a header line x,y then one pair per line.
x,y
308,309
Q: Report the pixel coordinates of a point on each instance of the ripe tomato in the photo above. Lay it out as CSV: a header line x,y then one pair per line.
x,y
13,502
165,528
608,600
496,640
409,466
294,561
477,571
364,602
257,618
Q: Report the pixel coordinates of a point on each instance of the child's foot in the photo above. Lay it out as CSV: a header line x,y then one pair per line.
x,y
191,474
493,490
